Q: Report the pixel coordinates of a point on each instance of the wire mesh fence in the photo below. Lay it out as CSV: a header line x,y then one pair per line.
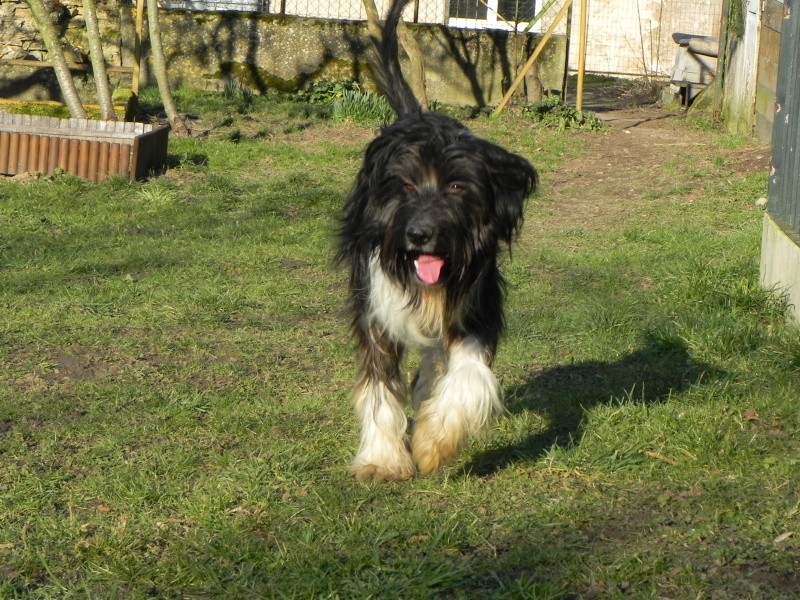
x,y
635,37
478,14
631,37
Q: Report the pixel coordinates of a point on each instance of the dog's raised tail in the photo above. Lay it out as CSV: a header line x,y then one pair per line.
x,y
390,76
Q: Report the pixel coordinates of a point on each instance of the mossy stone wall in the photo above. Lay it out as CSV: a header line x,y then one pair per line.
x,y
267,52
463,67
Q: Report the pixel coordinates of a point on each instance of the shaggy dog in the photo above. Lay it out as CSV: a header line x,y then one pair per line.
x,y
421,232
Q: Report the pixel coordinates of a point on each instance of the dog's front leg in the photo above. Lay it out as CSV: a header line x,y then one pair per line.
x,y
431,368
379,395
463,402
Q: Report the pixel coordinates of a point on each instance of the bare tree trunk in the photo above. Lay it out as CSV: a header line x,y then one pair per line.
x,y
175,119
416,78
373,19
534,91
56,55
416,65
98,61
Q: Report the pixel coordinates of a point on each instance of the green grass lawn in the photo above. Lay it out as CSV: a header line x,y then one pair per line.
x,y
176,368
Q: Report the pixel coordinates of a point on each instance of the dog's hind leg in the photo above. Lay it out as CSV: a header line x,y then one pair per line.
x,y
463,402
383,453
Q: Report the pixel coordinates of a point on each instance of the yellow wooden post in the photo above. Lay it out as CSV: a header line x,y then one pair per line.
x,y
584,22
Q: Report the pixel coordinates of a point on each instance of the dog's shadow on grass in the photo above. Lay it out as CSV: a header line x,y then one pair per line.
x,y
563,394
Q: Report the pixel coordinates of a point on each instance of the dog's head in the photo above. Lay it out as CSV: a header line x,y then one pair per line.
x,y
435,201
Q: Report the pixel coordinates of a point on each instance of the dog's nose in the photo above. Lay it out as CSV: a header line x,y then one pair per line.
x,y
418,235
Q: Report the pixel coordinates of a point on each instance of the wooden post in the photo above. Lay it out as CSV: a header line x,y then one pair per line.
x,y
566,54
584,22
137,47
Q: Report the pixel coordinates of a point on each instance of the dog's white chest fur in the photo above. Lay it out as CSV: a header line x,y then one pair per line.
x,y
391,307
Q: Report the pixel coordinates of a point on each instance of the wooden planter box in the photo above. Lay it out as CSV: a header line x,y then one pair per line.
x,y
89,149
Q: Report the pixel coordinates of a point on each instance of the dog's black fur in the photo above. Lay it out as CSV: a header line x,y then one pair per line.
x,y
430,192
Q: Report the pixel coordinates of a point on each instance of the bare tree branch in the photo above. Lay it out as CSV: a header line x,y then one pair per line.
x,y
416,78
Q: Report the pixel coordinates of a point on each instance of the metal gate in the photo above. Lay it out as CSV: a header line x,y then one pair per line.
x,y
780,246
784,183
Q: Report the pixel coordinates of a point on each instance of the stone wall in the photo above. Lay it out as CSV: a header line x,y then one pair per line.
x,y
267,52
19,41
464,67
19,38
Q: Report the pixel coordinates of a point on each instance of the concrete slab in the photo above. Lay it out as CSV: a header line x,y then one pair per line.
x,y
780,264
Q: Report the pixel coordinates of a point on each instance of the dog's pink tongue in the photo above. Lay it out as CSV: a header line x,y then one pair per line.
x,y
429,268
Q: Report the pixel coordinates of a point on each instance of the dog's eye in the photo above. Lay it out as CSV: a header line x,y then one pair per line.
x,y
456,188
409,187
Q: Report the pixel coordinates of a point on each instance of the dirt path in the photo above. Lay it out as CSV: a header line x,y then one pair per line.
x,y
646,151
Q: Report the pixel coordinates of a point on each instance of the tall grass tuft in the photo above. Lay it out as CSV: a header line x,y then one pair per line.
x,y
239,94
362,107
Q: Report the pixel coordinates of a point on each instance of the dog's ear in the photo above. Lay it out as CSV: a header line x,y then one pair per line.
x,y
512,180
355,233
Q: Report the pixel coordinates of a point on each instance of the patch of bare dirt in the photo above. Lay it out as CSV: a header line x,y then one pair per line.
x,y
647,151
71,367
341,134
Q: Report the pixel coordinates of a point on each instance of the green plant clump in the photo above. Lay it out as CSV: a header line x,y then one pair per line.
x,y
237,93
553,113
362,107
325,91
347,100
